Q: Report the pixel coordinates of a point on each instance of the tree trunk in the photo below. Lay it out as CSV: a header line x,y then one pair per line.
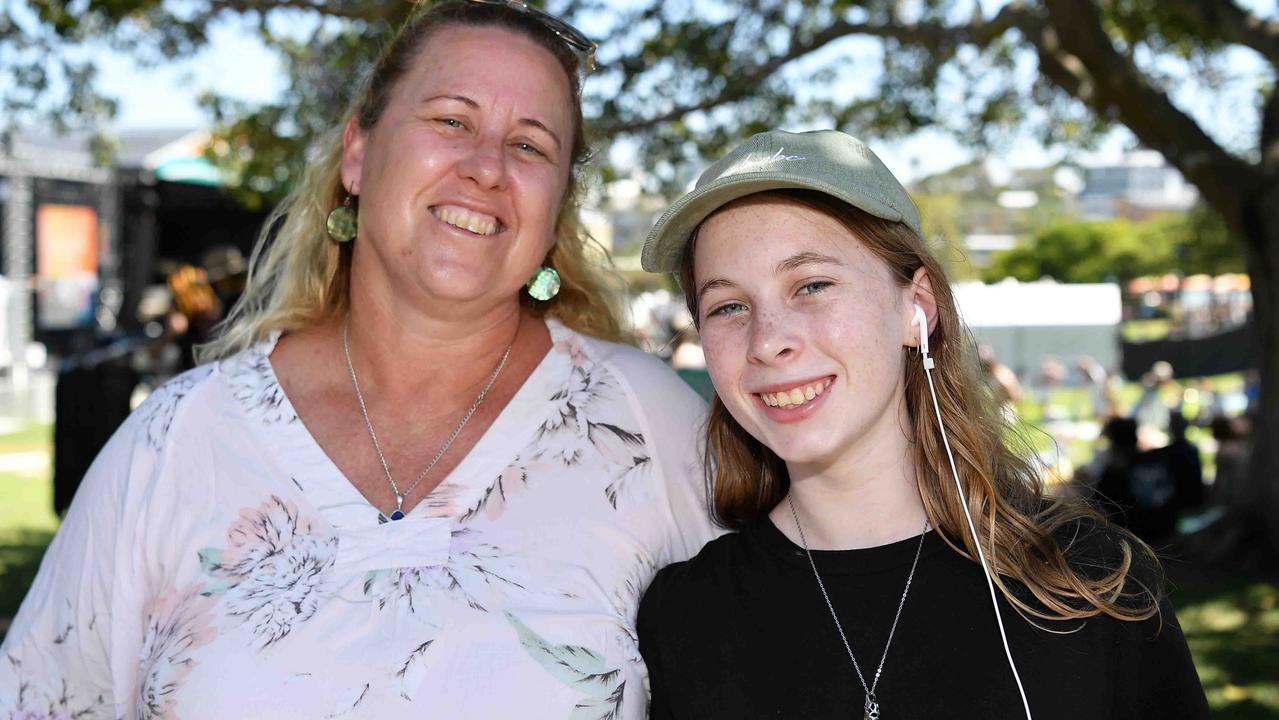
x,y
1261,248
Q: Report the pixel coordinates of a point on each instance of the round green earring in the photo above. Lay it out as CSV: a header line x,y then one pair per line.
x,y
342,222
545,284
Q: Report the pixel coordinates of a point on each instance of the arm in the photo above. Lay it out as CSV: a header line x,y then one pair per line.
x,y
75,645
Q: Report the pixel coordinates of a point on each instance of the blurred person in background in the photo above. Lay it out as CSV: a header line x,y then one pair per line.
x,y
1095,380
417,476
1232,438
198,308
1182,456
1002,381
1160,398
227,273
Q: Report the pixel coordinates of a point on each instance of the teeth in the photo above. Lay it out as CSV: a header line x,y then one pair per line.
x,y
477,223
795,396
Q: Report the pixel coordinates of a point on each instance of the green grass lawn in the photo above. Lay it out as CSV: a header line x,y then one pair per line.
x,y
27,521
1231,620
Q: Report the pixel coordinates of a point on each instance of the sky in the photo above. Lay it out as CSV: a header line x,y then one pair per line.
x,y
236,64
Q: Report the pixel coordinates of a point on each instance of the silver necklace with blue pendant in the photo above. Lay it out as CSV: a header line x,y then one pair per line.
x,y
398,512
872,702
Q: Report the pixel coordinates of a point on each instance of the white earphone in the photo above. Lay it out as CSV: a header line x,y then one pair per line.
x,y
921,320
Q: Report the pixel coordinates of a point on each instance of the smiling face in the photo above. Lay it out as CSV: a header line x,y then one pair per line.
x,y
803,330
462,177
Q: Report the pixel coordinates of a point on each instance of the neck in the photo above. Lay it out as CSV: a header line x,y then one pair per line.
x,y
404,353
869,497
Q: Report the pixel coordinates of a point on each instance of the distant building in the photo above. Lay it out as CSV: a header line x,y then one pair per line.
x,y
1140,186
981,246
1024,322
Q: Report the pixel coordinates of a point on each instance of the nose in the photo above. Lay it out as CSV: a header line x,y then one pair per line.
x,y
485,164
772,340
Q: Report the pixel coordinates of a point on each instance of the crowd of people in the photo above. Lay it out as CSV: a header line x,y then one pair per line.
x,y
1146,474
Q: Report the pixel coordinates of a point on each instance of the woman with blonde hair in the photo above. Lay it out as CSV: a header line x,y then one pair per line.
x,y
894,557
417,474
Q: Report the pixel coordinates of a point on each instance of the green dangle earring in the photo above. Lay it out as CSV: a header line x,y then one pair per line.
x,y
342,222
545,284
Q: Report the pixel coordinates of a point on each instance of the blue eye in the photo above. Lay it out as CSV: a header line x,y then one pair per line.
x,y
727,309
814,287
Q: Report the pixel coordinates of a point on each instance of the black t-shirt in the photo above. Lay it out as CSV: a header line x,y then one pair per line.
x,y
741,631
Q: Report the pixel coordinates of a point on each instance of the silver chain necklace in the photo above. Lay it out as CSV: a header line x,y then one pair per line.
x,y
872,703
398,513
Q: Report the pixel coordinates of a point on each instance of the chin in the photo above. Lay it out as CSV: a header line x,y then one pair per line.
x,y
802,450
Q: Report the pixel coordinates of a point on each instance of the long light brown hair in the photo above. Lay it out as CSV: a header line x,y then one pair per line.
x,y
299,278
1022,530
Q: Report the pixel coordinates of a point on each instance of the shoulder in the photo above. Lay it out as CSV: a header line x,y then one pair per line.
x,y
686,584
154,420
636,365
653,384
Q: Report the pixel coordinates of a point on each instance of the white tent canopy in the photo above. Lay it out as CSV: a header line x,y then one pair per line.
x,y
1043,303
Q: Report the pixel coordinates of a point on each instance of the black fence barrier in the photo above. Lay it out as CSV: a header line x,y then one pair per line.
x,y
1225,352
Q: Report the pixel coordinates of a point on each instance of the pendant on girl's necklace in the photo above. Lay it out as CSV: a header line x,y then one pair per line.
x,y
872,709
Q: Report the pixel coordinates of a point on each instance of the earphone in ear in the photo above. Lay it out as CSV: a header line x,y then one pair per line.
x,y
921,320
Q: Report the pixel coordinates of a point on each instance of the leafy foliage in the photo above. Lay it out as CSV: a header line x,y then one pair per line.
x,y
1120,250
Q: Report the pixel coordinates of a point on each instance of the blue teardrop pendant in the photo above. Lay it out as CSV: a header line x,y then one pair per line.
x,y
398,514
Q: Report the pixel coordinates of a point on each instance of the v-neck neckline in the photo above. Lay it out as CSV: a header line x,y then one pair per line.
x,y
340,501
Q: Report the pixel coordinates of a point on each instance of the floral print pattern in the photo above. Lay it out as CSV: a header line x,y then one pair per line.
x,y
582,668
177,624
254,387
231,570
273,569
160,407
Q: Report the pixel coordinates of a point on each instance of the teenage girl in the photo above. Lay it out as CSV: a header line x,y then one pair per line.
x,y
894,557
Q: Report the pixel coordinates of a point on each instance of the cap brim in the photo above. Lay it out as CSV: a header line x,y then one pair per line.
x,y
664,247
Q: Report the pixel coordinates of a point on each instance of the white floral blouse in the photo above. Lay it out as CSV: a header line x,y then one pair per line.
x,y
216,564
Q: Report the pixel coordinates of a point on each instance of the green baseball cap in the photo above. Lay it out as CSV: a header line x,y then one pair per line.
x,y
827,161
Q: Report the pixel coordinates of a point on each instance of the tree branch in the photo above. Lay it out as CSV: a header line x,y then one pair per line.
x,y
943,38
1234,24
350,11
1076,53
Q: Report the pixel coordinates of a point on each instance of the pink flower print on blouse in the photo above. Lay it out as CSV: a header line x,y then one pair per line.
x,y
273,572
177,624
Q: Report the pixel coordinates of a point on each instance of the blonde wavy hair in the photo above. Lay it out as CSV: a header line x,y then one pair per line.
x,y
1024,533
299,278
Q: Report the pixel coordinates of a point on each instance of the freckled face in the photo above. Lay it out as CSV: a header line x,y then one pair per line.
x,y
802,328
461,179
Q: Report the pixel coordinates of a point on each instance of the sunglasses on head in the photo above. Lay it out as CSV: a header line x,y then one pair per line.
x,y
581,45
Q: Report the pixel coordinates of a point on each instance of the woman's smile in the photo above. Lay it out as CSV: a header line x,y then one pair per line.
x,y
471,221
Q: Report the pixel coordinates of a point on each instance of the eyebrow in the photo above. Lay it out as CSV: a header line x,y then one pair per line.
x,y
799,260
713,284
530,122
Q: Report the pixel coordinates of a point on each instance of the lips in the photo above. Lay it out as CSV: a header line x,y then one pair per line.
x,y
800,394
467,219
797,395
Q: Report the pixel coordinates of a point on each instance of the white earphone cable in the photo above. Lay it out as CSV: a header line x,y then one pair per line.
x,y
990,584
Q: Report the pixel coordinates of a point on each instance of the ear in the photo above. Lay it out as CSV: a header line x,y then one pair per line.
x,y
353,141
919,292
